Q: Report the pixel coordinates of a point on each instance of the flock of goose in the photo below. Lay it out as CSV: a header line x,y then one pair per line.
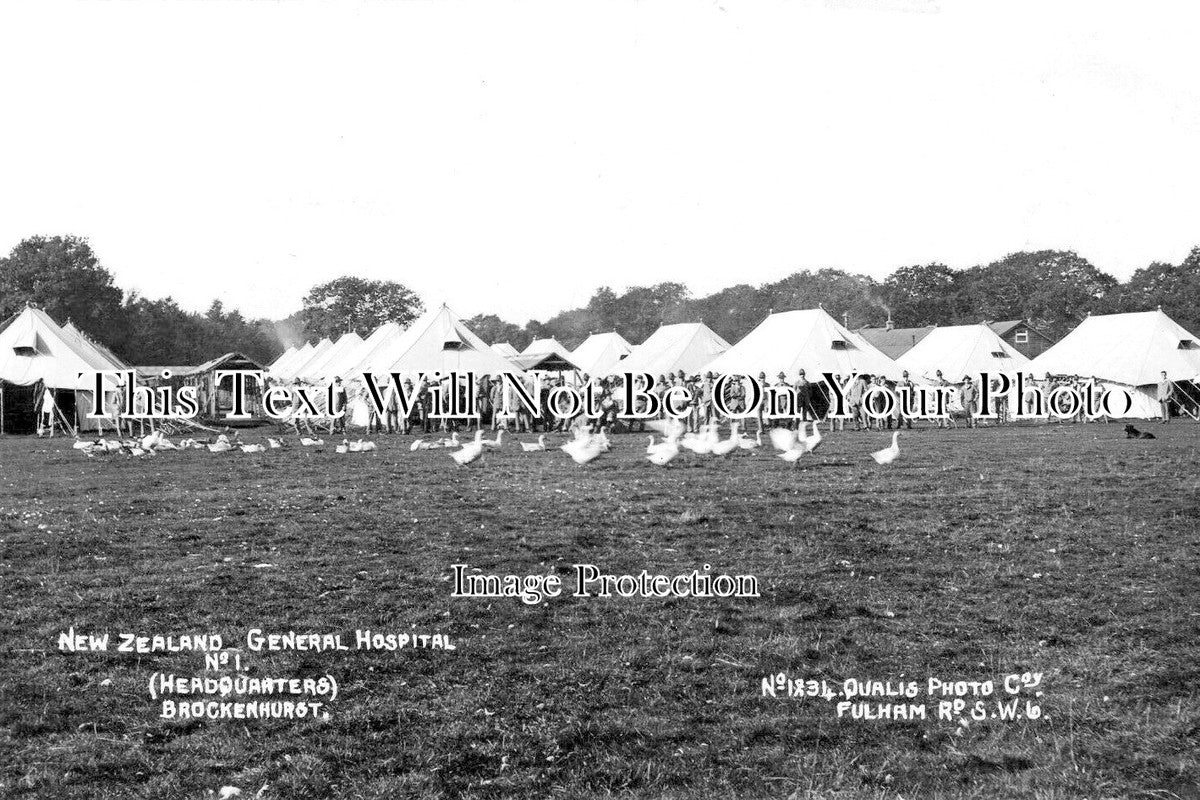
x,y
586,447
583,448
157,442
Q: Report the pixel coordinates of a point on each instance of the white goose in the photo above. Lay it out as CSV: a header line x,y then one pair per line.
x,y
534,447
220,446
888,454
451,442
791,447
494,443
812,442
470,451
746,443
344,447
353,447
252,448
726,446
701,444
366,447
584,449
308,442
664,452
274,443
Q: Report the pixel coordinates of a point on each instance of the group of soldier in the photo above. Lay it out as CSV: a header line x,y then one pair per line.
x,y
872,402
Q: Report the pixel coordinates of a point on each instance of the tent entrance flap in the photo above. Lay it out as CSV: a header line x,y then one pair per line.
x,y
18,407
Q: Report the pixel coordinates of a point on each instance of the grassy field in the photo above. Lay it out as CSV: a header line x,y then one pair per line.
x,y
1066,550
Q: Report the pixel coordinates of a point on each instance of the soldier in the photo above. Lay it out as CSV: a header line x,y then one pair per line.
x,y
939,380
804,398
786,401
904,390
968,394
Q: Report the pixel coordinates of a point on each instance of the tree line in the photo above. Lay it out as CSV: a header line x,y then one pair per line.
x,y
1053,289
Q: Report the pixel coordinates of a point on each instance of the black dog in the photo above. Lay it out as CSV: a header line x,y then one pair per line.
x,y
1133,433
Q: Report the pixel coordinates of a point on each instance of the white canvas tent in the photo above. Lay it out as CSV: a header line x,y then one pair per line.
x,y
600,352
298,367
687,346
347,365
324,367
505,349
96,349
281,368
438,342
1127,350
808,339
550,345
35,351
961,350
283,358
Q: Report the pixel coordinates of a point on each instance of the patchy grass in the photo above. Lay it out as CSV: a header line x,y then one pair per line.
x,y
1062,549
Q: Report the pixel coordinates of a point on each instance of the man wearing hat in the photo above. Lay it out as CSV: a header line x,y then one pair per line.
x,y
903,389
706,398
804,398
782,391
761,380
968,394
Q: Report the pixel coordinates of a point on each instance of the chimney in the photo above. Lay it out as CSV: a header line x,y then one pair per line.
x,y
889,324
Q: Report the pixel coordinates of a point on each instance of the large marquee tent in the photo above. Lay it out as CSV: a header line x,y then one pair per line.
x,y
34,353
600,352
438,342
1127,350
687,346
962,350
808,339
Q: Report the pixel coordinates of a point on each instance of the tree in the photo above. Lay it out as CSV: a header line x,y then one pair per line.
x,y
922,295
842,294
492,330
62,276
1055,289
1174,287
356,304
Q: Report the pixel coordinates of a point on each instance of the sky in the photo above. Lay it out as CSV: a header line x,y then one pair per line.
x,y
510,157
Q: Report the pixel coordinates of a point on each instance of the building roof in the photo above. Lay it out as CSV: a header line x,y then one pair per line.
x,y
549,362
894,342
1003,328
233,360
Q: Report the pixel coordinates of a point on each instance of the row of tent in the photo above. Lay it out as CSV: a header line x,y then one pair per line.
x,y
1129,350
